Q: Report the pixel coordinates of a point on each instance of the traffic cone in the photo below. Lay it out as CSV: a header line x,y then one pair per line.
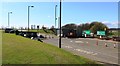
x,y
97,42
114,45
106,45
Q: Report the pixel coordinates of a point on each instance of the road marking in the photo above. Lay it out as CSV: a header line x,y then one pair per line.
x,y
71,41
97,39
86,42
86,52
79,42
95,54
92,39
68,46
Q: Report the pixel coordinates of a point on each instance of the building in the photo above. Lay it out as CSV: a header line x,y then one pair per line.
x,y
114,29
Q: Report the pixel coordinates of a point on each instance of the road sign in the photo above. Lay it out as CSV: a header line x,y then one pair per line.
x,y
101,33
87,32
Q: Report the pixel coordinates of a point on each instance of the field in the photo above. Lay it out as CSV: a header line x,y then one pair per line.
x,y
20,50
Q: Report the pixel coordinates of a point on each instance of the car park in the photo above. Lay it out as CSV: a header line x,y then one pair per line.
x,y
9,30
28,34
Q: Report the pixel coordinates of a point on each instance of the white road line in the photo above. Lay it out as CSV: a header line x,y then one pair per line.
x,y
86,52
92,39
95,54
79,42
86,42
101,40
68,46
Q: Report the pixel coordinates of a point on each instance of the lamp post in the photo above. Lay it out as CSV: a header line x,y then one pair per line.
x,y
105,29
55,14
28,15
60,26
9,18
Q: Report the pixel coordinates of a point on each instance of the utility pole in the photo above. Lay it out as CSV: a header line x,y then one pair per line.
x,y
60,26
55,14
9,18
28,15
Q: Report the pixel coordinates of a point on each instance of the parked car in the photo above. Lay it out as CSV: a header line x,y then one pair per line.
x,y
28,34
9,30
108,38
116,38
22,33
41,36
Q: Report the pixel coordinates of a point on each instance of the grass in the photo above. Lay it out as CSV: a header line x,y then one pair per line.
x,y
0,47
20,50
117,33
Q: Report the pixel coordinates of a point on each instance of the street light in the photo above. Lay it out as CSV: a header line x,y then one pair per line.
x,y
28,15
55,14
60,26
9,19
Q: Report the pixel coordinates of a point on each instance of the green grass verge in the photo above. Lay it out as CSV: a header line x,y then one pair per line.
x,y
0,47
20,50
114,33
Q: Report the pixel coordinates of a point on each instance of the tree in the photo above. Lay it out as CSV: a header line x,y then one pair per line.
x,y
52,29
69,26
32,27
43,27
98,26
85,26
93,23
94,27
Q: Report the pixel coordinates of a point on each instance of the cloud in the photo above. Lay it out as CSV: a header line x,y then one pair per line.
x,y
111,24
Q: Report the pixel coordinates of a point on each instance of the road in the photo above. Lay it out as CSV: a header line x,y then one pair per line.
x,y
89,48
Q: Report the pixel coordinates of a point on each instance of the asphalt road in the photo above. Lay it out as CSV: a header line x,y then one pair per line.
x,y
89,48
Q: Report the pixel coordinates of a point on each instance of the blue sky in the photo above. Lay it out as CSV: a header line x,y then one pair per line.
x,y
72,12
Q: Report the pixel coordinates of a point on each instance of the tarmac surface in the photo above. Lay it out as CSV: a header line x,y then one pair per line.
x,y
102,51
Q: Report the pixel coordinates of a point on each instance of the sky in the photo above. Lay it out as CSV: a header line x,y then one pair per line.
x,y
72,12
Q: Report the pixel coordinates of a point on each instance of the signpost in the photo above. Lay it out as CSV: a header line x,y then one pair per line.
x,y
101,33
87,32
